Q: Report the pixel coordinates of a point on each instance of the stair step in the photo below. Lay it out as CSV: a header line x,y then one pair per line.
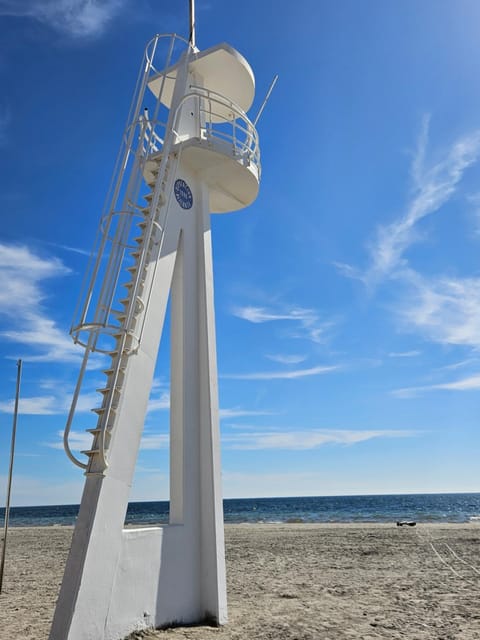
x,y
105,390
161,199
101,410
128,336
94,432
133,270
108,372
138,300
90,452
125,301
121,315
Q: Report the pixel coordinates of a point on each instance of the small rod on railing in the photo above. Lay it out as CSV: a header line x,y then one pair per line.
x,y
264,103
10,472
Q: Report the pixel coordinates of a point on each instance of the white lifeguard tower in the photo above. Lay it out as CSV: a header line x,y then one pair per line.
x,y
188,149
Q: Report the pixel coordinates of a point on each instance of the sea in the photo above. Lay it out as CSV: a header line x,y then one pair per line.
x,y
439,507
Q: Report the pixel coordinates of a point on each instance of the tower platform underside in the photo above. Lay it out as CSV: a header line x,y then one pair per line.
x,y
224,71
232,179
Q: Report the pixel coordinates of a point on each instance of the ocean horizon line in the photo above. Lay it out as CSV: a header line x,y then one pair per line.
x,y
421,507
292,497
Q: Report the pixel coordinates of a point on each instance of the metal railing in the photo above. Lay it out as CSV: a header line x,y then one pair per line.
x,y
221,123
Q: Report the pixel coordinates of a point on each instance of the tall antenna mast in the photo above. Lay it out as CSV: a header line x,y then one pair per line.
x,y
192,23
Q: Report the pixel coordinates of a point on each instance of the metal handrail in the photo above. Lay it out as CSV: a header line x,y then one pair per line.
x,y
210,93
150,133
243,135
153,44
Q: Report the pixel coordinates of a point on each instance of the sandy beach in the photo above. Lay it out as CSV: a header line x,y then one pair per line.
x,y
293,582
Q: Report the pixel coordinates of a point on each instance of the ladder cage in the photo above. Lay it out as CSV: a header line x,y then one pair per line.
x,y
113,291
100,311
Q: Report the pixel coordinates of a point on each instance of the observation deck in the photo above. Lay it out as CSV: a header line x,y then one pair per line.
x,y
210,126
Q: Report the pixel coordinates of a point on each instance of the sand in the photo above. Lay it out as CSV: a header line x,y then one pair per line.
x,y
293,582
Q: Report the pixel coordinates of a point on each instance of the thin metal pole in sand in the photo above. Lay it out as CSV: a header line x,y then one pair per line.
x,y
10,472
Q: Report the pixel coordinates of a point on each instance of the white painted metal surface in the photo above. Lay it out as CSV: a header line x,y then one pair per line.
x,y
224,70
192,151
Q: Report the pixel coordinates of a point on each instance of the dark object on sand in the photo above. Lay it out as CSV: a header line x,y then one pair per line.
x,y
406,523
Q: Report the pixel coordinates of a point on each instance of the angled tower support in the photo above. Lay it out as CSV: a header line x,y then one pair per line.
x,y
192,151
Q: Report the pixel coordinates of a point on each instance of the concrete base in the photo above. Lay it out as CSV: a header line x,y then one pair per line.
x,y
154,568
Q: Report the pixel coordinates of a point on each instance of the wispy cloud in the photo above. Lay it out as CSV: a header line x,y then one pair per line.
x,y
432,187
52,403
466,384
242,413
445,310
470,383
64,247
35,405
459,365
159,395
42,334
24,275
154,441
287,359
308,323
282,375
311,439
417,169
159,403
78,18
260,314
404,354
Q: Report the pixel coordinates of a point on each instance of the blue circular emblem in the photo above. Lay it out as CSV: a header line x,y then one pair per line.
x,y
183,194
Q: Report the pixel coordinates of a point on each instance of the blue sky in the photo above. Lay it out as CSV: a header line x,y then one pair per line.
x,y
347,296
